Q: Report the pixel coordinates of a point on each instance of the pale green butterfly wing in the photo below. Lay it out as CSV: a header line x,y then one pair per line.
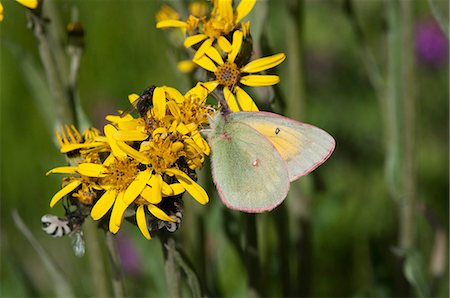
x,y
304,147
249,173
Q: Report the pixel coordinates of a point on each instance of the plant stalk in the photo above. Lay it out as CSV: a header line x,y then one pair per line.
x,y
116,272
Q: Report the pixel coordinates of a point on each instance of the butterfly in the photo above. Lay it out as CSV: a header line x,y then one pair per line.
x,y
255,156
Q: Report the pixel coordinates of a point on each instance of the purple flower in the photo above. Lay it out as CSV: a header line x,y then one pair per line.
x,y
431,43
129,256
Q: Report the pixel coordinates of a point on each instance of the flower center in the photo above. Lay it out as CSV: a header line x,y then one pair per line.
x,y
121,173
163,153
227,74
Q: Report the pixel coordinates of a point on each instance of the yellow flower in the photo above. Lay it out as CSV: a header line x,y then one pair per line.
x,y
198,9
32,4
149,159
221,22
70,140
229,75
166,13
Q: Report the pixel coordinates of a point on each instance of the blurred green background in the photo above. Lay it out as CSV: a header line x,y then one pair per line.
x,y
337,233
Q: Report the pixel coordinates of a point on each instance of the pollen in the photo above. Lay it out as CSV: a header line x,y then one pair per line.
x,y
121,173
227,74
85,196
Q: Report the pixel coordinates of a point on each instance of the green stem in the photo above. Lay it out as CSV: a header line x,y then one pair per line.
x,y
62,287
368,58
64,111
96,260
171,268
439,16
407,215
296,83
251,255
116,272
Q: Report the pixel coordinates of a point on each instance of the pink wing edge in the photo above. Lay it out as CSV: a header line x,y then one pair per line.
x,y
317,164
249,210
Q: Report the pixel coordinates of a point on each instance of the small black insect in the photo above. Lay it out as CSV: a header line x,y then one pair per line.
x,y
142,104
174,208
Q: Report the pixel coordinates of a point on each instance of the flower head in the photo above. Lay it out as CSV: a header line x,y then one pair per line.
x,y
139,162
229,75
215,29
431,44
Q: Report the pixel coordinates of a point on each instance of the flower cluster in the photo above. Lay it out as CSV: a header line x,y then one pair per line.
x,y
223,47
139,167
139,164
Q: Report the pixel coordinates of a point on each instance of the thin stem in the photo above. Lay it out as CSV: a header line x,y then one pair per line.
x,y
171,267
407,224
62,287
439,16
60,97
116,272
96,261
251,255
301,192
296,81
373,70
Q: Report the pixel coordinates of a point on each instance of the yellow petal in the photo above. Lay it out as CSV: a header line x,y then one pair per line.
x,y
174,94
195,190
263,63
186,66
118,211
63,170
176,147
147,194
203,48
113,228
244,7
236,46
260,80
103,204
166,190
133,97
64,191
177,188
171,23
158,213
214,55
130,151
224,44
142,222
245,101
224,9
29,3
155,184
130,135
91,169
231,100
194,39
174,109
198,139
1,12
159,102
119,119
181,128
159,131
137,186
71,147
206,63
110,130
